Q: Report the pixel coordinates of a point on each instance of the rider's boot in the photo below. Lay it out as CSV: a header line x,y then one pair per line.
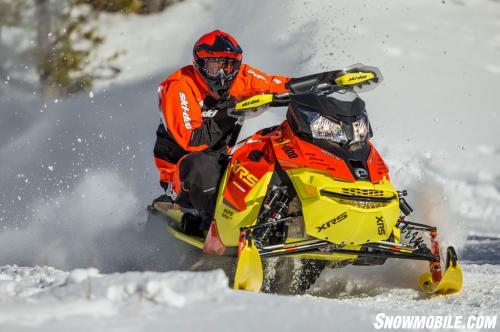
x,y
194,225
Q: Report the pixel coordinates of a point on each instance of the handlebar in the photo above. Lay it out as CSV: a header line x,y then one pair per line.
x,y
281,100
358,78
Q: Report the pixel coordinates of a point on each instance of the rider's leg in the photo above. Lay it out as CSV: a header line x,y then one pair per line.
x,y
196,181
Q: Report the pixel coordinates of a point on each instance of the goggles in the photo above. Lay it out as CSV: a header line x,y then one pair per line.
x,y
213,66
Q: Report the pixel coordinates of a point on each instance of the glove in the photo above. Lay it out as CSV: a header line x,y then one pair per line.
x,y
225,122
225,102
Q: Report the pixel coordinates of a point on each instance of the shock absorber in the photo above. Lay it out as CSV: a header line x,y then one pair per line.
x,y
403,204
279,211
435,265
275,208
414,238
280,208
272,198
276,204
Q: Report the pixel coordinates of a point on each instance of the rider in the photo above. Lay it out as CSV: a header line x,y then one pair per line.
x,y
193,137
195,130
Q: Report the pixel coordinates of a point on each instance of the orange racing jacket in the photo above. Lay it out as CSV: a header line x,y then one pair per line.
x,y
191,118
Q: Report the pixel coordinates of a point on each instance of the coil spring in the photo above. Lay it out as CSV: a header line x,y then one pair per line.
x,y
414,238
275,208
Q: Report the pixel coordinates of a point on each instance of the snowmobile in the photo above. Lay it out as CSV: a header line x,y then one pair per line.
x,y
315,190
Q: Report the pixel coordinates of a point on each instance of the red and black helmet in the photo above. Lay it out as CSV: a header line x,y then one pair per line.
x,y
217,57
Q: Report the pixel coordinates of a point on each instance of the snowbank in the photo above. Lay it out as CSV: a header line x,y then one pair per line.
x,y
54,300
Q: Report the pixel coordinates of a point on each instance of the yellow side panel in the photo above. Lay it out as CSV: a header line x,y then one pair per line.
x,y
397,234
229,221
336,220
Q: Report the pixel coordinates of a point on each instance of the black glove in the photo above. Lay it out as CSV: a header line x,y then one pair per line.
x,y
225,122
214,129
225,102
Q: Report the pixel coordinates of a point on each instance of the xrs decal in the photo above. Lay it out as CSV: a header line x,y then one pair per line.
x,y
334,221
244,174
185,110
380,225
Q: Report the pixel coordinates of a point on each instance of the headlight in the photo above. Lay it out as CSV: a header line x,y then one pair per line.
x,y
360,130
322,127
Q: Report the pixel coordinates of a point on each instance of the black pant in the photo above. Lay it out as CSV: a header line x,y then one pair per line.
x,y
200,173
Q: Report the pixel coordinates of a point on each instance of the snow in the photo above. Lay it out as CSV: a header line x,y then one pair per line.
x,y
137,301
76,173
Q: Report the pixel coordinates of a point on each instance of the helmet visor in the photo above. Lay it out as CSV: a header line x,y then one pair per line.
x,y
214,66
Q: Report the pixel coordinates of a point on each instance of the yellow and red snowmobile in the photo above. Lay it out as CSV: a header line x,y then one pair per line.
x,y
315,190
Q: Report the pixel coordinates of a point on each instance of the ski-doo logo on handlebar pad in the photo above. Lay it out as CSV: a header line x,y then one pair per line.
x,y
358,77
250,102
334,221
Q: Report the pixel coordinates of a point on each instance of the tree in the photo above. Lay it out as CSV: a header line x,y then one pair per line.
x,y
124,6
10,15
129,6
62,41
66,43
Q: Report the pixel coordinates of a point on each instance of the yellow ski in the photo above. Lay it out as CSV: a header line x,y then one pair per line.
x,y
249,274
451,282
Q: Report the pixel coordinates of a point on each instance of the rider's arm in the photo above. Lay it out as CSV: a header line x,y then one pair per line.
x,y
252,81
212,132
305,83
182,117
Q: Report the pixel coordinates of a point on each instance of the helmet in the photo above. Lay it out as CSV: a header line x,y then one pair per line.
x,y
217,57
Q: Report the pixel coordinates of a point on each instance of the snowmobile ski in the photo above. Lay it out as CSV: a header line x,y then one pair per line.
x,y
172,220
249,273
451,281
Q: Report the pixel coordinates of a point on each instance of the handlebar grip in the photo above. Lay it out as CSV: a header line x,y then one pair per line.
x,y
280,102
305,83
